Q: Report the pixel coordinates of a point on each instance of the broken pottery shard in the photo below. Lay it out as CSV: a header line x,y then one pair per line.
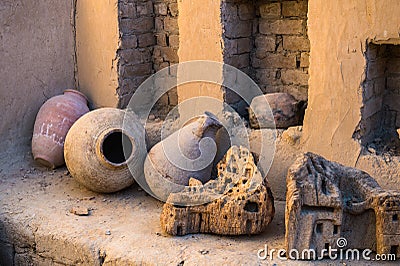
x,y
328,202
284,107
243,205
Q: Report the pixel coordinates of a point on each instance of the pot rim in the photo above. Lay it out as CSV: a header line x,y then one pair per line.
x,y
99,148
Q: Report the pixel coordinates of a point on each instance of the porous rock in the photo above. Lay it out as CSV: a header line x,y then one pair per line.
x,y
237,202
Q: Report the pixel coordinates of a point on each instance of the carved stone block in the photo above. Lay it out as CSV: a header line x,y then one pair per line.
x,y
327,201
237,202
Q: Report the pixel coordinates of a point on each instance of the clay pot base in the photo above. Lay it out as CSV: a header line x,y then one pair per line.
x,y
44,162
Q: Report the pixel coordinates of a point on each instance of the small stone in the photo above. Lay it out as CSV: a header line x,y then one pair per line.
x,y
152,117
371,150
80,211
108,232
204,252
157,120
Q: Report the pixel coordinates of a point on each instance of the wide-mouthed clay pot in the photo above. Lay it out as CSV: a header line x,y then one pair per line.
x,y
54,119
99,147
187,153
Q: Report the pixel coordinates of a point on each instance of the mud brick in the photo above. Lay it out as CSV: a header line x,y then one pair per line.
x,y
238,30
265,43
173,9
305,60
128,41
174,41
171,25
246,11
145,8
275,61
281,27
294,9
135,56
138,25
161,9
296,43
294,76
147,39
127,10
270,10
137,70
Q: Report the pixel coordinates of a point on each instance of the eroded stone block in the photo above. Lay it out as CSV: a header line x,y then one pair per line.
x,y
326,201
240,202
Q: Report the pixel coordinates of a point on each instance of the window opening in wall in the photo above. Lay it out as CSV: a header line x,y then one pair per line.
x,y
380,122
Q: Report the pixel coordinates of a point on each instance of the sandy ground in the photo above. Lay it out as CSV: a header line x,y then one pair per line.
x,y
38,228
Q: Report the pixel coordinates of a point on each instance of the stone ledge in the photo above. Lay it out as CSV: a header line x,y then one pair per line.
x,y
37,227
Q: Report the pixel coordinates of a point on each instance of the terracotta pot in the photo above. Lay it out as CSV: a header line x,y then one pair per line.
x,y
99,147
55,118
177,158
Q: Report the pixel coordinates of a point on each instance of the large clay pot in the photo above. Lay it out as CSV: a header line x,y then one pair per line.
x,y
182,156
99,147
55,118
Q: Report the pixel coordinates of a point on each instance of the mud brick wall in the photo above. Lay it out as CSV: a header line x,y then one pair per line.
x,y
381,92
149,42
282,47
238,21
268,40
165,51
392,94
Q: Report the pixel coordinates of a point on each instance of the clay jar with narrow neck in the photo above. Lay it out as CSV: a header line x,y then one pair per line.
x,y
181,156
53,121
